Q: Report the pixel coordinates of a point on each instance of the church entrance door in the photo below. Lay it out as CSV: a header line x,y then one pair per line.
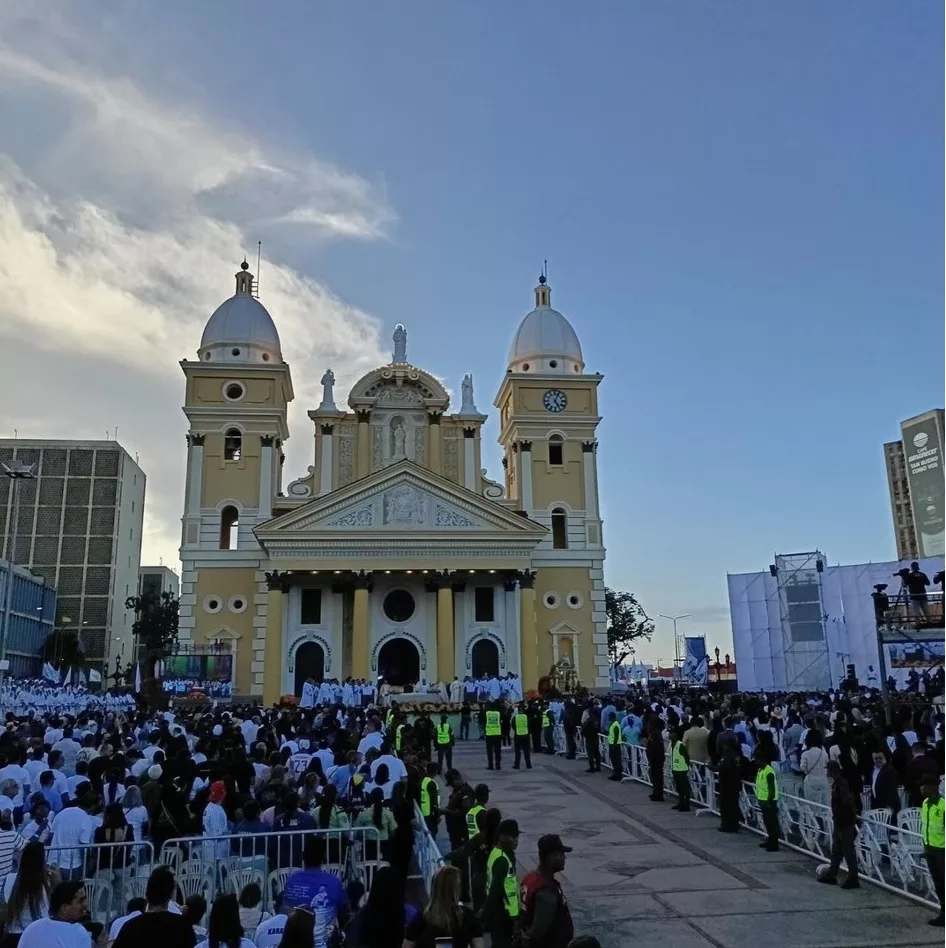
x,y
399,662
485,659
310,663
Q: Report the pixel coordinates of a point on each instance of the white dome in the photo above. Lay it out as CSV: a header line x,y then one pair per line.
x,y
545,342
241,329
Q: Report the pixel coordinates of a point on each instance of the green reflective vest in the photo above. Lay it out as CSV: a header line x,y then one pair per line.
x,y
388,719
547,719
398,734
614,734
931,823
443,733
678,762
492,724
425,807
762,785
472,828
510,884
522,724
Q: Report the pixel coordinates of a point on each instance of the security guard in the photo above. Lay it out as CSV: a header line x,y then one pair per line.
x,y
932,818
548,730
767,793
444,744
480,798
501,908
494,739
430,802
615,740
399,735
520,724
680,768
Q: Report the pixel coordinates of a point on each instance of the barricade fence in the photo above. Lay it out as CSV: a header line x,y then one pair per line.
x,y
426,851
890,854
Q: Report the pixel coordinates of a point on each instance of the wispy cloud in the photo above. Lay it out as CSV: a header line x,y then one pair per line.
x,y
122,218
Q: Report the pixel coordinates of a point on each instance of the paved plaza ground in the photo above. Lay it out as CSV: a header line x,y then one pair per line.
x,y
643,874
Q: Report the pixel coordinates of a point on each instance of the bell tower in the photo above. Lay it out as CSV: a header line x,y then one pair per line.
x,y
548,408
236,399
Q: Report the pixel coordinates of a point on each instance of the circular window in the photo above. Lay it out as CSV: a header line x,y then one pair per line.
x,y
234,352
525,366
237,603
266,357
233,391
577,369
212,604
574,600
550,600
399,605
553,363
206,357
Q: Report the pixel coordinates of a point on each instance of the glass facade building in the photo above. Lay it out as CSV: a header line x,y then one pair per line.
x,y
31,620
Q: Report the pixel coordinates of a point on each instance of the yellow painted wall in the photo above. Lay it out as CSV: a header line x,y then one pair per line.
x,y
553,484
205,387
225,583
236,480
528,395
563,580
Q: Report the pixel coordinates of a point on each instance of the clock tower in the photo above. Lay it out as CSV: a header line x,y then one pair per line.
x,y
548,408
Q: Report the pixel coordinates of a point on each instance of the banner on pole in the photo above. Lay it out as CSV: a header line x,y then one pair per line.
x,y
695,662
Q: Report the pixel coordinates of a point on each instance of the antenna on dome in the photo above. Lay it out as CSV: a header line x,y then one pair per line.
x,y
259,257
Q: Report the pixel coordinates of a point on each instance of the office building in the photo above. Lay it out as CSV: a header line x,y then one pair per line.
x,y
158,580
79,526
32,613
915,480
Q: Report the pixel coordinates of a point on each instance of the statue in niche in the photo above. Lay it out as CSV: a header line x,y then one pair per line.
x,y
400,345
400,437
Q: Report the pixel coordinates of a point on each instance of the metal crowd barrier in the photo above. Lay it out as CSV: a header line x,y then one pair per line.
x,y
890,855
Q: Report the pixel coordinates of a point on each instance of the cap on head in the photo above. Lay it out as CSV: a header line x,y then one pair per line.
x,y
508,828
552,843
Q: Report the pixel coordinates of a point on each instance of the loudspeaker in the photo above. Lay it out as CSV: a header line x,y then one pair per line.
x,y
819,566
773,569
851,674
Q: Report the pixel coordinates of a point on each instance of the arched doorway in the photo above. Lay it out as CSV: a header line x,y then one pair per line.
x,y
310,663
485,659
399,662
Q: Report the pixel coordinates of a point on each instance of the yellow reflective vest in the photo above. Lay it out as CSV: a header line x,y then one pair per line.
x,y
471,825
425,802
510,883
614,734
492,724
677,761
762,785
522,724
443,733
932,817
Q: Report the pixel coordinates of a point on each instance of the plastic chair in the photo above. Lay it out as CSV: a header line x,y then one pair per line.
x,y
275,886
135,888
99,893
238,879
172,857
189,885
197,867
909,820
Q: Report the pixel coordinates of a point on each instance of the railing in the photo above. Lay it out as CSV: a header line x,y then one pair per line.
x,y
906,612
890,855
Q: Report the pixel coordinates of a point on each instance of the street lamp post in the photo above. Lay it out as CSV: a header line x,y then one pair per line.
x,y
675,620
718,676
16,471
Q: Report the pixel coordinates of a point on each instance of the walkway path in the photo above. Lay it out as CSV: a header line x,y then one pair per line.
x,y
643,874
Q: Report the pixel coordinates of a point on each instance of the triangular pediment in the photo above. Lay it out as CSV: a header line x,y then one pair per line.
x,y
404,498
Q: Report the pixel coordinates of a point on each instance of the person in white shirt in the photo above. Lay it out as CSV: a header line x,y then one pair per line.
x,y
69,748
20,776
135,908
396,769
35,766
371,739
269,934
67,904
215,824
72,827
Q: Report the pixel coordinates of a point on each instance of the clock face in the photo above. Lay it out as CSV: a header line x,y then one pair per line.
x,y
554,400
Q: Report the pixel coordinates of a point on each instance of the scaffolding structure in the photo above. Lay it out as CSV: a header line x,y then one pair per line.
x,y
801,608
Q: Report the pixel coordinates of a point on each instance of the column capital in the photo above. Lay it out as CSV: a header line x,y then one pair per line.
x,y
195,440
363,415
525,446
589,447
469,432
362,580
267,441
526,578
327,429
510,583
442,579
434,415
278,582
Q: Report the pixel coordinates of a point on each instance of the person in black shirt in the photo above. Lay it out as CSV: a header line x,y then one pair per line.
x,y
157,927
917,582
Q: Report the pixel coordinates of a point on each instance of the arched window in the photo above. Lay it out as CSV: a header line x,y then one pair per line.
x,y
555,450
232,444
229,528
559,529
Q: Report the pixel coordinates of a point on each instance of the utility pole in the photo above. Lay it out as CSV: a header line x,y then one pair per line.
x,y
676,645
16,471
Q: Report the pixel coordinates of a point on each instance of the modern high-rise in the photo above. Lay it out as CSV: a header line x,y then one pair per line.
x,y
915,480
158,580
78,524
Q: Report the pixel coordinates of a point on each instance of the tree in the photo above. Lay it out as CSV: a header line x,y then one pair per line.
x,y
155,626
627,623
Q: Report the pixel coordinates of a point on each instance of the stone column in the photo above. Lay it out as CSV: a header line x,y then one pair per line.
x,y
511,622
363,445
469,458
195,473
276,588
327,461
435,443
445,632
590,480
360,627
266,469
528,647
525,475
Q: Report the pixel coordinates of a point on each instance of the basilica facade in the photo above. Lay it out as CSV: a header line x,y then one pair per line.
x,y
394,554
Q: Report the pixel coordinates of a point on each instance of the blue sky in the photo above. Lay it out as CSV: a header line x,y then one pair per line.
x,y
741,205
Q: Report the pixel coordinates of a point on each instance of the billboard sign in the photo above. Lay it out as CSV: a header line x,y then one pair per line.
x,y
909,660
695,662
195,673
923,452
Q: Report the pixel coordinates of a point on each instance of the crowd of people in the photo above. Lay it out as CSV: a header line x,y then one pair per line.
x,y
38,696
352,692
85,796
